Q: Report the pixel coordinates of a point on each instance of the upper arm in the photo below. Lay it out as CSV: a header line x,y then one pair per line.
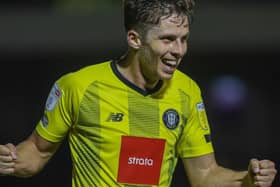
x,y
198,168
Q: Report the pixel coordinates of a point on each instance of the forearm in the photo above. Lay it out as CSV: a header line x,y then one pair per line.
x,y
223,177
204,171
29,159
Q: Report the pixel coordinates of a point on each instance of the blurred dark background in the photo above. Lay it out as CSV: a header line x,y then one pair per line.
x,y
233,54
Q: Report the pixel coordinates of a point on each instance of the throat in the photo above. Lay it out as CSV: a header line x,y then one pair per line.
x,y
137,78
149,84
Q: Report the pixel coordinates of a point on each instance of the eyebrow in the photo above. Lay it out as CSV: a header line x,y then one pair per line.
x,y
169,35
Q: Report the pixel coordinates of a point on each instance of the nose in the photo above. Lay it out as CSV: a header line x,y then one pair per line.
x,y
178,48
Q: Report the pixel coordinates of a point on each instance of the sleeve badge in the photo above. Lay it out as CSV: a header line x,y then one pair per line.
x,y
53,97
202,116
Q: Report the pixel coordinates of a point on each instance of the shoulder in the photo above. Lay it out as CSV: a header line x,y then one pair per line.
x,y
185,83
85,75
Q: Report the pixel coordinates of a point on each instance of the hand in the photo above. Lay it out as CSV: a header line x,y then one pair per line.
x,y
261,172
7,159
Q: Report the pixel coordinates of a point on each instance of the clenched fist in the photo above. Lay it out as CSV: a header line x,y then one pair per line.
x,y
7,159
261,172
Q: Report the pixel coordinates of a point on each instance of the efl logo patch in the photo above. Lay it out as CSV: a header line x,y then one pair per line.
x,y
53,97
202,115
140,160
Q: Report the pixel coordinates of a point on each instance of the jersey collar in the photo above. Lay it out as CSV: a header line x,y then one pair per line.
x,y
132,85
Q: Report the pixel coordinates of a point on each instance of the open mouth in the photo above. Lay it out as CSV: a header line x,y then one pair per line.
x,y
170,63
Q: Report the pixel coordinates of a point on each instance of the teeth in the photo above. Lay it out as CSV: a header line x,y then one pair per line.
x,y
170,62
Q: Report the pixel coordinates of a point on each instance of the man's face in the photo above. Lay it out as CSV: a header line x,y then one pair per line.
x,y
164,47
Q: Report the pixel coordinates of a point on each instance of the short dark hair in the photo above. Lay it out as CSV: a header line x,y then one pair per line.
x,y
138,14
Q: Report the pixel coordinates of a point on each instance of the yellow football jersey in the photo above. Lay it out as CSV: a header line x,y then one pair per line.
x,y
121,135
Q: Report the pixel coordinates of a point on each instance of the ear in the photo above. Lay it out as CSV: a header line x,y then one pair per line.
x,y
133,39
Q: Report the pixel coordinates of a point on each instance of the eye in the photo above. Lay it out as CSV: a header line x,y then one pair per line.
x,y
185,38
166,41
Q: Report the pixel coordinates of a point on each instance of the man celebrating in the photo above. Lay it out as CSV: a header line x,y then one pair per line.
x,y
129,120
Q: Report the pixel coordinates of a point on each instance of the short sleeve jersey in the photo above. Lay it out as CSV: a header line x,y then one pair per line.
x,y
121,135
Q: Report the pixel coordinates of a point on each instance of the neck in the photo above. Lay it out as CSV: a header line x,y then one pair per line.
x,y
129,67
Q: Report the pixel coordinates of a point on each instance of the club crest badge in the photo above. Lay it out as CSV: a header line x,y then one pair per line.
x,y
53,97
171,119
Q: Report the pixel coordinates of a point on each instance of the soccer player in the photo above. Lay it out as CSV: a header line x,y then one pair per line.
x,y
129,120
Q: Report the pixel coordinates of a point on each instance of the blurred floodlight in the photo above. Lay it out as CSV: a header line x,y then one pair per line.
x,y
228,93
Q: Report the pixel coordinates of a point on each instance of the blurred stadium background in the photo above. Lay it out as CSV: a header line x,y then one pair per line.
x,y
233,52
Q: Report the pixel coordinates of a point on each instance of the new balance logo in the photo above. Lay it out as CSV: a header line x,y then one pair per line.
x,y
115,117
